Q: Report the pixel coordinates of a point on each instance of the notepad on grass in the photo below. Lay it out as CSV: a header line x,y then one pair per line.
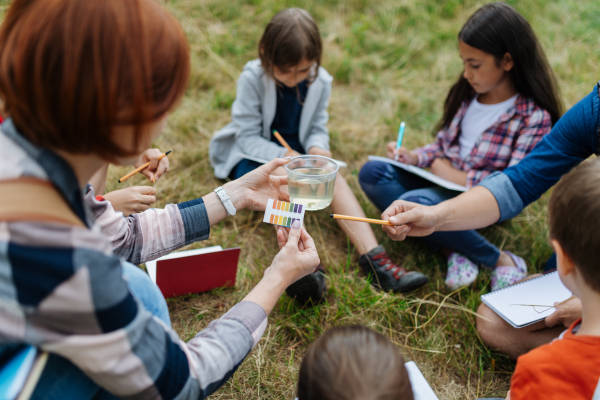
x,y
528,302
420,386
422,173
194,271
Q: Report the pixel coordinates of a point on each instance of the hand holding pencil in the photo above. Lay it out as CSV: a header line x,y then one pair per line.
x,y
290,152
152,164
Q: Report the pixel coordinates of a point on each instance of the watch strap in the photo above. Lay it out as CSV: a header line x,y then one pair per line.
x,y
227,203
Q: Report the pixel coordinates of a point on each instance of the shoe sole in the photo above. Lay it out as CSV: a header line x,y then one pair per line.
x,y
308,284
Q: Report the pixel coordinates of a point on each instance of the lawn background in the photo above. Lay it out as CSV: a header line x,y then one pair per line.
x,y
392,61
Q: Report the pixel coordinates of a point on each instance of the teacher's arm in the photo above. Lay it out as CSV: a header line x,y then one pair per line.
x,y
503,195
251,191
476,208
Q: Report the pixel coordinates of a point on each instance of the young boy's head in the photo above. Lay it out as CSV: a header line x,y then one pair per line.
x,y
352,363
574,211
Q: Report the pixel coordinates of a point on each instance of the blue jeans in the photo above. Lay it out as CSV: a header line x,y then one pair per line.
x,y
384,184
62,380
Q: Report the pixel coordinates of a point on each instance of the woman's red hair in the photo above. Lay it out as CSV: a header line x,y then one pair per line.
x,y
71,70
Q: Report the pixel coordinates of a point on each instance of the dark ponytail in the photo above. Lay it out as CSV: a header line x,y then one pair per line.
x,y
497,29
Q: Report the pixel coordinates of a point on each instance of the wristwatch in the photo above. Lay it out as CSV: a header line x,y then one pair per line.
x,y
224,197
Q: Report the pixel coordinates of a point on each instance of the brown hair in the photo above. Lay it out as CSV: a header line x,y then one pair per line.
x,y
351,363
71,70
574,213
290,36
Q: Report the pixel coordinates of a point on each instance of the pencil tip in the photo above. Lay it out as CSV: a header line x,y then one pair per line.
x,y
330,215
119,181
168,152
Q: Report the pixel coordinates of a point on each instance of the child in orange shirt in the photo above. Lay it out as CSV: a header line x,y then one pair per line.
x,y
569,367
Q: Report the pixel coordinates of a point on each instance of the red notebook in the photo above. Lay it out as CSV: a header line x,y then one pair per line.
x,y
194,271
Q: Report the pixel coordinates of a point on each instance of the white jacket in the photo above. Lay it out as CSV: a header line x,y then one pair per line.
x,y
253,112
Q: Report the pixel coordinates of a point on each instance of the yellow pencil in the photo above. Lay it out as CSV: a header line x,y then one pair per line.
x,y
368,220
143,167
282,141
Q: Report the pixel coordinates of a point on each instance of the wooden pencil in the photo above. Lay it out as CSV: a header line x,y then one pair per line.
x,y
143,167
282,141
368,220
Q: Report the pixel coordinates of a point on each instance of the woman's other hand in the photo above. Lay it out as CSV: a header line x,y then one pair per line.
x,y
297,258
297,255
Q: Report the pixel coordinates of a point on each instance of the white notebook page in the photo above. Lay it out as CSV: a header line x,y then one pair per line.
x,y
151,265
422,173
420,386
542,291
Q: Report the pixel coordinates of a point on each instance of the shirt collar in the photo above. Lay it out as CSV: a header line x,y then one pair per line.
x,y
59,172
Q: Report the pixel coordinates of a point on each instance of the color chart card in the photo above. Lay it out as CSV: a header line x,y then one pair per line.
x,y
283,213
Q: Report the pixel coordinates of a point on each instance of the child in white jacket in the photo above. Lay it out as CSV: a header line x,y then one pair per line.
x,y
287,90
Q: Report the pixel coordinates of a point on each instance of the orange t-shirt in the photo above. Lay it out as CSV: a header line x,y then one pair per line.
x,y
567,368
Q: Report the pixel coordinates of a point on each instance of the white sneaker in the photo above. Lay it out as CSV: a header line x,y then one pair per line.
x,y
461,271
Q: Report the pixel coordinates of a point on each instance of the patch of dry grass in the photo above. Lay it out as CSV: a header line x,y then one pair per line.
x,y
391,61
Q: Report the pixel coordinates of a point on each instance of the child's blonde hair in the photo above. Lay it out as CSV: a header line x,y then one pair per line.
x,y
292,35
353,363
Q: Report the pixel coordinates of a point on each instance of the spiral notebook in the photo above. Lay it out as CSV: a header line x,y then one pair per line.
x,y
422,173
528,302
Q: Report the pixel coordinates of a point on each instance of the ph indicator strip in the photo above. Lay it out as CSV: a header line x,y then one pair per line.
x,y
283,213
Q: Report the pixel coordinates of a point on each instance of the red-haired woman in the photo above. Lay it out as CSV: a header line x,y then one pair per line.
x,y
84,83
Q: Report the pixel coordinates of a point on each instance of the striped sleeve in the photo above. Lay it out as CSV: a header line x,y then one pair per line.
x,y
153,233
87,315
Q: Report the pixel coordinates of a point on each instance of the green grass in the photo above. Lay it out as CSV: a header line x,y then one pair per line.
x,y
391,61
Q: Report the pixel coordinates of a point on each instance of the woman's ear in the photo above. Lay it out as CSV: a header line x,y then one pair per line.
x,y
507,62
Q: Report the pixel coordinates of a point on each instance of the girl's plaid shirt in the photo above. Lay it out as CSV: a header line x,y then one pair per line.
x,y
502,145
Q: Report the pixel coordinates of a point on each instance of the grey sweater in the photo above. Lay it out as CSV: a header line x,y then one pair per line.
x,y
252,114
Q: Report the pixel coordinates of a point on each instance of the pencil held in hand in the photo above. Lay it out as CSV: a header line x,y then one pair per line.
x,y
400,137
282,141
143,167
368,220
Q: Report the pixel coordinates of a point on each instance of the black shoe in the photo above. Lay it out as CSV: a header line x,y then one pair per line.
x,y
310,290
386,275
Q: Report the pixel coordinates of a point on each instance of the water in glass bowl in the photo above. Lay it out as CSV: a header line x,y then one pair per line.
x,y
313,190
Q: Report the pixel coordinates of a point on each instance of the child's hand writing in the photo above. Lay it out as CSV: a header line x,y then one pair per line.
x,y
316,151
157,167
132,200
566,314
404,155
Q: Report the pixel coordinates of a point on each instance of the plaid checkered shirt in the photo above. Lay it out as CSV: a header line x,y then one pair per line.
x,y
62,290
502,145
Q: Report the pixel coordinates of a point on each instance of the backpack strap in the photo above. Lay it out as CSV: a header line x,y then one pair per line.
x,y
33,199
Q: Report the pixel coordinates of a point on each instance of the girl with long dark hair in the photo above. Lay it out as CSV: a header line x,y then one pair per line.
x,y
503,103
